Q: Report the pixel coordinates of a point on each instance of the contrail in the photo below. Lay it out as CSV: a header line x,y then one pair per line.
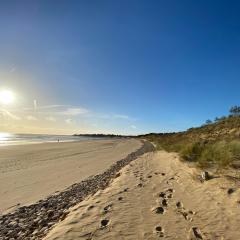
x,y
35,105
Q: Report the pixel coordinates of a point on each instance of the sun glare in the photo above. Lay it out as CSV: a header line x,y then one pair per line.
x,y
6,97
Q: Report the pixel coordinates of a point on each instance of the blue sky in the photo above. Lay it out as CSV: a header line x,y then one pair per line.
x,y
120,66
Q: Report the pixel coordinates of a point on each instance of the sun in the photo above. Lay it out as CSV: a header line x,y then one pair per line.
x,y
6,97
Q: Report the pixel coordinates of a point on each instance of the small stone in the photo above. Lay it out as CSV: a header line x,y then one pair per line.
x,y
195,234
50,213
118,175
205,176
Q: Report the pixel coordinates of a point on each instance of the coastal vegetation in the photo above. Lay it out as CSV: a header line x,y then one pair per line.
x,y
215,143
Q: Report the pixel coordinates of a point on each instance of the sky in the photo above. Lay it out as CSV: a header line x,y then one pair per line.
x,y
127,67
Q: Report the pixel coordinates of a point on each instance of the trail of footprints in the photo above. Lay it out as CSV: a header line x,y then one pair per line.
x,y
163,199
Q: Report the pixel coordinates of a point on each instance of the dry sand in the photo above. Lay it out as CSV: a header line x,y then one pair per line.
x,y
29,173
155,197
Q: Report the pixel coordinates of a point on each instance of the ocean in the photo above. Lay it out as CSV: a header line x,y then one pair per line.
x,y
16,139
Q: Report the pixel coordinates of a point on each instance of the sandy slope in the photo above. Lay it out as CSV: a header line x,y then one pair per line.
x,y
131,207
31,172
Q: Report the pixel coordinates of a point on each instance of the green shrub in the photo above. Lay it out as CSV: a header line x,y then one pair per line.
x,y
218,153
192,151
235,149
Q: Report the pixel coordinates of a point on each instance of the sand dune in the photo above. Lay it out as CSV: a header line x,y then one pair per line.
x,y
156,196
31,172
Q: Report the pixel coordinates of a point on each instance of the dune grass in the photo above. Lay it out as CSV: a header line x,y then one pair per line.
x,y
215,144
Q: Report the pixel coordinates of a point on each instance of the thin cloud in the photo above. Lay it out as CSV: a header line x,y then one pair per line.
x,y
68,121
74,111
53,106
117,117
31,118
8,114
36,106
133,127
120,116
51,119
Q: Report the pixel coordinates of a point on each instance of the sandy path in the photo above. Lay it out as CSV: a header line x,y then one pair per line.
x,y
156,196
31,172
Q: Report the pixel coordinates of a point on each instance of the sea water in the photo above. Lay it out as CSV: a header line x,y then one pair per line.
x,y
16,139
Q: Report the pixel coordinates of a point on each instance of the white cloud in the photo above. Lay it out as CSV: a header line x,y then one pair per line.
x,y
8,114
53,106
120,116
31,118
68,121
51,119
36,106
74,111
133,127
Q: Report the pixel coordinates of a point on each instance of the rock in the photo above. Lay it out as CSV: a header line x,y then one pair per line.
x,y
205,176
50,213
195,234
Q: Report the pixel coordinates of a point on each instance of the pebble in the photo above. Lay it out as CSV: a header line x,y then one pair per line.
x,y
34,221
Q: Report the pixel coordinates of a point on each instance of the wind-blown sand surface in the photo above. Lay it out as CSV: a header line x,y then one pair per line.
x,y
29,173
155,197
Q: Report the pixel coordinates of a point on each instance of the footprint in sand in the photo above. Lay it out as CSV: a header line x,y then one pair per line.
x,y
104,223
169,195
90,207
179,205
186,214
162,194
159,210
107,208
170,190
163,174
159,231
120,199
150,176
164,202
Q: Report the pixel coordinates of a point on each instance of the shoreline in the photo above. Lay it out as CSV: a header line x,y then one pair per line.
x,y
29,173
37,219
5,145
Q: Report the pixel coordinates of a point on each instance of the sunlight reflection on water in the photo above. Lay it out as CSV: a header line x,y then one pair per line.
x,y
5,136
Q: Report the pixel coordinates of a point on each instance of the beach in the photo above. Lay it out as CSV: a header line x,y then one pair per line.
x,y
156,197
31,172
131,192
